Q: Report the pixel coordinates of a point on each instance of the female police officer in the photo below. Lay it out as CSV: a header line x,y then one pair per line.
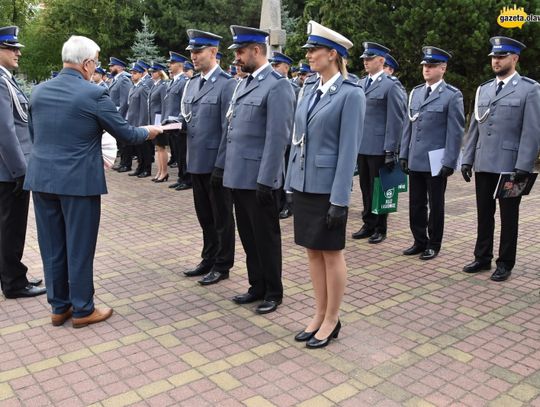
x,y
328,128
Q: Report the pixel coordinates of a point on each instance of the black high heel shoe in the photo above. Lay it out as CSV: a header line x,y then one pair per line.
x,y
314,343
165,178
305,336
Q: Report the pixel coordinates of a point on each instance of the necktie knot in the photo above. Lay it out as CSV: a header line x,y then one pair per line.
x,y
428,92
249,79
499,87
315,100
369,82
201,83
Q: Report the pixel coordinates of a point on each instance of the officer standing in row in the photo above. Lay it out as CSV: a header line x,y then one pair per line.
x,y
205,103
435,120
251,155
156,95
119,91
98,76
15,146
137,114
390,65
171,104
504,136
385,111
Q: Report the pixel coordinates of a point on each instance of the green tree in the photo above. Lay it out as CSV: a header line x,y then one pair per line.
x,y
144,46
16,12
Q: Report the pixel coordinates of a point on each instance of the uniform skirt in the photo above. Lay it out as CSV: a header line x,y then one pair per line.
x,y
310,229
162,140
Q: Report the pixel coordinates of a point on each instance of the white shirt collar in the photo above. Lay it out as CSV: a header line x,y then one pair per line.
x,y
506,80
210,73
325,87
434,86
178,76
6,71
376,76
262,68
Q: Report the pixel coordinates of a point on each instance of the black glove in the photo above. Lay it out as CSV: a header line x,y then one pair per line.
x,y
466,171
445,172
19,182
336,216
404,164
390,160
264,195
520,175
216,179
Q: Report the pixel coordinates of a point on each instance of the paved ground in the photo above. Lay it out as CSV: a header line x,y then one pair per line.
x,y
415,333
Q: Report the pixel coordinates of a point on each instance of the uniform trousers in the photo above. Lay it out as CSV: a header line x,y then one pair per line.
x,y
509,212
181,158
260,233
67,229
368,169
426,190
13,220
145,156
213,206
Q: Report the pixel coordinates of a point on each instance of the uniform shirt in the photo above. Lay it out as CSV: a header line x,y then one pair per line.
x,y
324,87
210,73
434,86
374,77
505,81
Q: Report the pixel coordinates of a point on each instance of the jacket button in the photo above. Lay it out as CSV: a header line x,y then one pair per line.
x,y
489,134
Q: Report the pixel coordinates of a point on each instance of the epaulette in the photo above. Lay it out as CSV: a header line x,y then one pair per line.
x,y
349,82
486,82
419,86
311,79
392,77
294,84
529,80
225,74
277,74
452,88
196,75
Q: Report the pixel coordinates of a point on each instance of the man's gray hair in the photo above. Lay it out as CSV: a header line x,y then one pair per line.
x,y
77,49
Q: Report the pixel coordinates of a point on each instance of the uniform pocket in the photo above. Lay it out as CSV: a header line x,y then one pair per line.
x,y
326,160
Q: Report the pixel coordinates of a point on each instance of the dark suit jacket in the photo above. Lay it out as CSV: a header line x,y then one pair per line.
x,y
67,117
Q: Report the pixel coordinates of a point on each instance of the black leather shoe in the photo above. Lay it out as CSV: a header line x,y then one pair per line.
x,y
174,185
414,249
267,306
476,266
363,233
135,173
285,213
28,291
246,298
35,281
305,336
315,343
213,277
377,237
429,254
182,187
144,174
123,168
116,167
200,270
501,273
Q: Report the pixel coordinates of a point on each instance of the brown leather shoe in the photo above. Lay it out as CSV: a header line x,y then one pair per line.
x,y
59,319
99,314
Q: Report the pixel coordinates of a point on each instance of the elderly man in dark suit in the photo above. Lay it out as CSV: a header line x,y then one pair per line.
x,y
65,172
14,149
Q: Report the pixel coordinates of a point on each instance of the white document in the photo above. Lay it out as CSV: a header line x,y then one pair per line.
x,y
157,120
436,158
108,149
172,126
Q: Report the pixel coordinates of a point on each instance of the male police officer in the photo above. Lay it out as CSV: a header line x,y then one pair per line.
x,y
98,76
119,91
15,147
390,65
385,110
205,104
435,120
171,106
504,136
252,158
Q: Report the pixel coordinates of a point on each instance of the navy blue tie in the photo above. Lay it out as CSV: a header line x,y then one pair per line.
x,y
369,82
428,92
315,101
499,87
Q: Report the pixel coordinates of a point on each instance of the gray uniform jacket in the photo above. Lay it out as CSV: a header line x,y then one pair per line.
x,y
155,100
259,128
206,121
385,111
439,122
331,134
119,91
137,114
510,135
15,141
172,98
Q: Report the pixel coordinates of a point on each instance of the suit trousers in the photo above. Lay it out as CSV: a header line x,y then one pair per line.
x,y
67,229
426,190
260,233
509,212
368,169
13,220
213,206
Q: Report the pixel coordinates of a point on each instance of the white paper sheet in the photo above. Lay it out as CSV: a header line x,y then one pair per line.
x,y
157,120
436,158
